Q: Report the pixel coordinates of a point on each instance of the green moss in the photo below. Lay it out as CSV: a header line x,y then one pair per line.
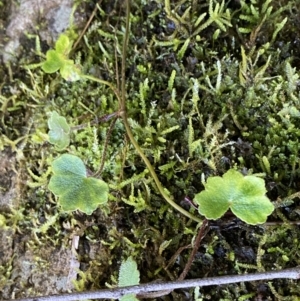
x,y
202,96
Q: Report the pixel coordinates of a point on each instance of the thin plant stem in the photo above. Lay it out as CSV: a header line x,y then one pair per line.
x,y
122,113
201,234
129,132
116,293
87,25
153,174
123,66
103,82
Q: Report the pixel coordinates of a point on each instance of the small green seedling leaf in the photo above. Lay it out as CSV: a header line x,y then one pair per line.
x,y
245,196
59,133
69,71
54,61
129,275
58,60
74,189
63,45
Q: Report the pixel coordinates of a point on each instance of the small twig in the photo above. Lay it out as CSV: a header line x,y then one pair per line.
x,y
96,121
116,293
177,253
202,232
87,25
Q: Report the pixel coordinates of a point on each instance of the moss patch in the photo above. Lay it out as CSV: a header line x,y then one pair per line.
x,y
209,86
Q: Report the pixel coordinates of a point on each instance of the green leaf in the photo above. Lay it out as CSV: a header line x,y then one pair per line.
x,y
54,62
58,60
245,196
129,274
59,133
69,71
75,191
63,45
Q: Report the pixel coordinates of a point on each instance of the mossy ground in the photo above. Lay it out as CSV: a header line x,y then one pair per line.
x,y
199,101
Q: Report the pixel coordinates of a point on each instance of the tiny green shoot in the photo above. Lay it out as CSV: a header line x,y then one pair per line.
x,y
57,59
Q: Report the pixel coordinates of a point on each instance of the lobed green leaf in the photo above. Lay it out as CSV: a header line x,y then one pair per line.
x,y
245,196
54,61
63,45
75,191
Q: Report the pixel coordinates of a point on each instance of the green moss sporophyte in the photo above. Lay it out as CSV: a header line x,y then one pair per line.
x,y
244,195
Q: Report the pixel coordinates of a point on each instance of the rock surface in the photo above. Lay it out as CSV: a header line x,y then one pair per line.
x,y
48,18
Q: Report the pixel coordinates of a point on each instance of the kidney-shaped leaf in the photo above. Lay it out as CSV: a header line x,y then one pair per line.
x,y
59,133
245,196
63,45
54,61
74,189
